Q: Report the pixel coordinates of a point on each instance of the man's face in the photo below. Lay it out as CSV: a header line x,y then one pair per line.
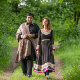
x,y
29,19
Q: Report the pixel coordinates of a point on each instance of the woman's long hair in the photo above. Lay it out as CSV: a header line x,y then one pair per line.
x,y
49,24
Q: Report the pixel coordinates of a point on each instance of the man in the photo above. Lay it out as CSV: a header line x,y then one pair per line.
x,y
27,37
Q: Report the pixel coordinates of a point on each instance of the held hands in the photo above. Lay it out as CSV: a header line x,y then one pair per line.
x,y
28,35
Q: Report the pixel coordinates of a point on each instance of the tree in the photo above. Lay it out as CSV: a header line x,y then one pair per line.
x,y
14,5
76,8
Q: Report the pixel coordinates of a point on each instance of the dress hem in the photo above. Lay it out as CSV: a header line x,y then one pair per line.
x,y
44,71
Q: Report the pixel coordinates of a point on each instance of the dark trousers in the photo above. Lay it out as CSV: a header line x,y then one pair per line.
x,y
26,65
46,73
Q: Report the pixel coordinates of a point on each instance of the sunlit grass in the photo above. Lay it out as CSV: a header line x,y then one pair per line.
x,y
56,43
13,41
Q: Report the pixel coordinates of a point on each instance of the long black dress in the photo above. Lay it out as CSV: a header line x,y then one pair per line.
x,y
45,61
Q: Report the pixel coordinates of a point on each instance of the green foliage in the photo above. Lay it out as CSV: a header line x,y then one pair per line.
x,y
14,6
56,12
60,1
5,55
72,31
34,3
72,3
69,53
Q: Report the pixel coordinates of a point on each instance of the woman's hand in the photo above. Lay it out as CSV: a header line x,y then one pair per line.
x,y
52,51
38,52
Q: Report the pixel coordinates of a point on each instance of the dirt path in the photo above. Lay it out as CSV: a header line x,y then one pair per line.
x,y
58,65
8,71
58,73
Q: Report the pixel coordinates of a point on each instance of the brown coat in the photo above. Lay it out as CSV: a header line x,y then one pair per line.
x,y
24,48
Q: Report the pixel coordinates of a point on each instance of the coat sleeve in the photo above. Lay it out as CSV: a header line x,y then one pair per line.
x,y
37,29
36,34
39,40
19,33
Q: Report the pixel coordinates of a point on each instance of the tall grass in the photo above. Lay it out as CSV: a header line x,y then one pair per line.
x,y
6,45
69,53
4,52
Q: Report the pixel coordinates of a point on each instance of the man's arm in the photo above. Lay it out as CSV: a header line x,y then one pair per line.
x,y
37,29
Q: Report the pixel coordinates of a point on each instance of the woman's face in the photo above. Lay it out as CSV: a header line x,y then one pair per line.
x,y
45,22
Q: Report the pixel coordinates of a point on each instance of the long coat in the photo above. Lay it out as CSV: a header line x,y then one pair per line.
x,y
24,48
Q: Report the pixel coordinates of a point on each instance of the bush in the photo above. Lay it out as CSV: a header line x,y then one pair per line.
x,y
72,31
4,52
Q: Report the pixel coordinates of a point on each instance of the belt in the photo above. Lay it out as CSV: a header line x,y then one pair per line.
x,y
45,39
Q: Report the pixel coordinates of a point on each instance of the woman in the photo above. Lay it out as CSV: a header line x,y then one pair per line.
x,y
45,49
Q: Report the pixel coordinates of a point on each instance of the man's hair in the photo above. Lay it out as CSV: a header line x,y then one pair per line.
x,y
30,14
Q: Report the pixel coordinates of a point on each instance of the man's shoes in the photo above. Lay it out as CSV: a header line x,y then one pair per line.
x,y
29,76
24,74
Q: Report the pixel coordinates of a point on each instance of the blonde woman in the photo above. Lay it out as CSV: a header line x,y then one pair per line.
x,y
45,49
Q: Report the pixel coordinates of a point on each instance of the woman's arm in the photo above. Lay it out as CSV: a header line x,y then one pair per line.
x,y
52,40
39,41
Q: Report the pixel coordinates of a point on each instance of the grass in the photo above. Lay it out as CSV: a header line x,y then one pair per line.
x,y
56,43
69,53
13,41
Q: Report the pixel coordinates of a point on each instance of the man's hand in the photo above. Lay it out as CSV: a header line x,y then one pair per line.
x,y
30,35
25,36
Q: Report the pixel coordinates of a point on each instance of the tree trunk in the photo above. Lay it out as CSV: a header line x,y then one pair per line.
x,y
78,15
74,15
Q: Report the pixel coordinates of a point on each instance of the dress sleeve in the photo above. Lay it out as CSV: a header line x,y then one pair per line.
x,y
39,40
52,40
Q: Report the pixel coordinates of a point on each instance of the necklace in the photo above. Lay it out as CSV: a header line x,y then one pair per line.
x,y
45,32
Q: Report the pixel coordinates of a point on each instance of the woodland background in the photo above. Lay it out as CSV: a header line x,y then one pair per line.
x,y
65,21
